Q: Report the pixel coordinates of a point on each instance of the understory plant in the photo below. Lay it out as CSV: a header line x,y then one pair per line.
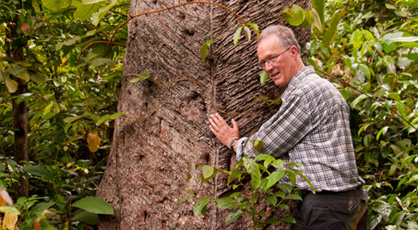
x,y
253,182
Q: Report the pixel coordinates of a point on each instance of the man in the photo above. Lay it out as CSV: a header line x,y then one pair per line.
x,y
312,128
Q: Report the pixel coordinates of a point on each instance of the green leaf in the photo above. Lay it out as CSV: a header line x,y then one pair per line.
x,y
358,100
85,11
19,71
254,171
226,202
255,28
288,219
273,178
271,200
36,76
285,187
10,210
233,216
200,206
103,61
39,171
237,35
87,217
55,5
331,33
258,145
316,20
382,131
299,173
208,173
319,7
47,109
294,16
94,205
263,77
266,158
204,50
144,75
293,197
97,16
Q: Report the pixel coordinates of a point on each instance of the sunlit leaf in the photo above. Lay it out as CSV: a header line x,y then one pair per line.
x,y
295,15
93,141
11,85
97,16
55,5
85,11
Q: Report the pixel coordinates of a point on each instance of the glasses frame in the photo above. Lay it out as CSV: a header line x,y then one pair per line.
x,y
272,59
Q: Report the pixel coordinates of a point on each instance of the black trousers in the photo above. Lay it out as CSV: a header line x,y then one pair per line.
x,y
332,210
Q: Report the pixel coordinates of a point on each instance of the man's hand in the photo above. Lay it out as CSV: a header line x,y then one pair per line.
x,y
222,130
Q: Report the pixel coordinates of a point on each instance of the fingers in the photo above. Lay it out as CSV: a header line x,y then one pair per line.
x,y
234,124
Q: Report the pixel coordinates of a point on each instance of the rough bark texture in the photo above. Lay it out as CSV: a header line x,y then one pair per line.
x,y
20,110
147,168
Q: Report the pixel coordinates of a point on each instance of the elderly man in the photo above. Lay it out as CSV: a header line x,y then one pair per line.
x,y
312,128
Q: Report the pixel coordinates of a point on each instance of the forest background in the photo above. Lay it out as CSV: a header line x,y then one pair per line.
x,y
61,70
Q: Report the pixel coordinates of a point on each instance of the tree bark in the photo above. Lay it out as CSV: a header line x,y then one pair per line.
x,y
20,110
147,168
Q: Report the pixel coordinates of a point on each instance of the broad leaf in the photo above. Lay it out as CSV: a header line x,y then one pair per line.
x,y
237,35
94,205
19,71
85,12
55,5
200,206
294,16
273,178
233,216
11,85
93,141
87,217
39,171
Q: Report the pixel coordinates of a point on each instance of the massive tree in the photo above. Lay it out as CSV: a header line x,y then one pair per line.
x,y
165,124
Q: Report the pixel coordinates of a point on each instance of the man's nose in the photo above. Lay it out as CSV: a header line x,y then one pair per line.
x,y
267,66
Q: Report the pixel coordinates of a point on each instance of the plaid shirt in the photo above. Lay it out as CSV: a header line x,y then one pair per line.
x,y
312,128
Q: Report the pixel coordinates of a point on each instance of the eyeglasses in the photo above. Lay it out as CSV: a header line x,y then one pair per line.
x,y
271,59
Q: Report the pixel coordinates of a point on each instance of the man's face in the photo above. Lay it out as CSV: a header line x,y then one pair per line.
x,y
280,69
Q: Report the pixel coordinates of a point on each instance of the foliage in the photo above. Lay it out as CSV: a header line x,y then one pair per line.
x,y
263,188
369,49
72,75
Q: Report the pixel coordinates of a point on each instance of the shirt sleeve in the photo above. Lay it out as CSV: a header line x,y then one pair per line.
x,y
281,132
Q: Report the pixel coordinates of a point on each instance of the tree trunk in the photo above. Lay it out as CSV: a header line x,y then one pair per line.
x,y
20,110
147,168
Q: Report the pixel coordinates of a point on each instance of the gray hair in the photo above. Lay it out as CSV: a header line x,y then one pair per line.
x,y
284,34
